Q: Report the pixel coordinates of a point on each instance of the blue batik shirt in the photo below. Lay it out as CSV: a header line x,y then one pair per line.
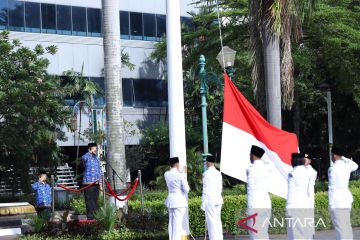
x,y
42,194
92,168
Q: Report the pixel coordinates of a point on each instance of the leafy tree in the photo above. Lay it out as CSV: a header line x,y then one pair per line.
x,y
328,52
31,107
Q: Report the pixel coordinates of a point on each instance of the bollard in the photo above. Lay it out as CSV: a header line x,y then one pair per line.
x,y
141,192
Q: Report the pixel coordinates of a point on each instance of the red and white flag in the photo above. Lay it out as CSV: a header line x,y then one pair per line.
x,y
243,127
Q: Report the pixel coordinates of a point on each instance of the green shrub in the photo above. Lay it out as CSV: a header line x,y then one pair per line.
x,y
234,208
107,217
39,236
38,223
78,205
131,235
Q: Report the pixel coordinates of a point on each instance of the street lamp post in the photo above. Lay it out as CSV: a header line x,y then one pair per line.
x,y
329,115
226,58
203,91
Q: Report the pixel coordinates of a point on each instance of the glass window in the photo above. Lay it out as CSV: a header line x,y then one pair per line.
x,y
48,16
128,92
63,19
99,100
79,21
136,26
187,24
3,14
124,25
149,27
149,93
16,15
94,22
32,17
160,25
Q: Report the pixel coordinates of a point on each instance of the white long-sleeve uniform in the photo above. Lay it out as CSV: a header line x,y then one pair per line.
x,y
176,201
258,199
212,202
340,197
298,208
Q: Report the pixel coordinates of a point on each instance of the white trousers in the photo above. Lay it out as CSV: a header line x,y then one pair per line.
x,y
213,221
176,217
341,219
300,223
261,225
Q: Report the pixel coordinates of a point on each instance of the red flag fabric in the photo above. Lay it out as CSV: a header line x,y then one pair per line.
x,y
243,127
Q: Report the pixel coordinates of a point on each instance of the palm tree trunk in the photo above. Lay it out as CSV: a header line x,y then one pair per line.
x,y
297,115
272,77
113,91
78,143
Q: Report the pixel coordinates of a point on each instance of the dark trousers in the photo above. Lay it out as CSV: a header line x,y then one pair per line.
x,y
44,212
91,200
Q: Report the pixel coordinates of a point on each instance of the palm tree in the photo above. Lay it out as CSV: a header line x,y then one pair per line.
x,y
113,91
273,24
80,88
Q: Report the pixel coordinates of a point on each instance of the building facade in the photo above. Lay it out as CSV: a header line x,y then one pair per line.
x,y
75,28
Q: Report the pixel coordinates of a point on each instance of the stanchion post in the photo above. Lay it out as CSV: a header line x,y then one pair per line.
x,y
52,196
141,192
104,192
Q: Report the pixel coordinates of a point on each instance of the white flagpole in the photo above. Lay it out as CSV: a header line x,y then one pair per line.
x,y
175,82
176,90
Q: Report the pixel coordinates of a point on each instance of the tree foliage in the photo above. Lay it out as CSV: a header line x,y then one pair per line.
x,y
328,52
32,109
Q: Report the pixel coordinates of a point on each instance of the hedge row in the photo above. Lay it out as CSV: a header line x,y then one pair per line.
x,y
234,208
239,189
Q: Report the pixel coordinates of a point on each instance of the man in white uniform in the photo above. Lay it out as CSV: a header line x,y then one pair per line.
x,y
212,200
340,197
258,199
176,201
311,188
297,202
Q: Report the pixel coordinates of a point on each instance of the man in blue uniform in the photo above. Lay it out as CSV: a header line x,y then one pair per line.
x,y
42,195
92,174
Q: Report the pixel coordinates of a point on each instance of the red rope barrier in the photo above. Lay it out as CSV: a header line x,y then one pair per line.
x,y
76,190
126,190
128,196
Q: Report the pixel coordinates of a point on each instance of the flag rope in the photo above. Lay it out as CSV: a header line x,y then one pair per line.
x,y
220,33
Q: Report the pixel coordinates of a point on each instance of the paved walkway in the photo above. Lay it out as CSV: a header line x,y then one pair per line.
x,y
321,235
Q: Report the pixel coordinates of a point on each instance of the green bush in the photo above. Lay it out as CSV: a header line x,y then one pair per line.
x,y
78,205
107,217
39,236
234,208
38,223
132,235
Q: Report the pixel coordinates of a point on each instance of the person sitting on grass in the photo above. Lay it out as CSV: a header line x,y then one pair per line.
x,y
43,196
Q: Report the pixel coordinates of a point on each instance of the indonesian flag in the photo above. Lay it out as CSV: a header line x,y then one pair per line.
x,y
243,127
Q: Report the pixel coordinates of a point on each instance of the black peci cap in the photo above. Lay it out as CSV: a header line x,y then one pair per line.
x,y
297,159
257,151
173,160
210,158
41,172
92,145
337,150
